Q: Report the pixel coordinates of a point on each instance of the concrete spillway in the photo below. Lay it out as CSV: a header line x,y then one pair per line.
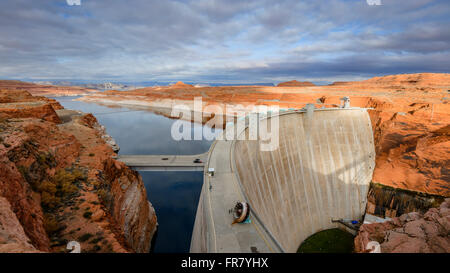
x,y
320,171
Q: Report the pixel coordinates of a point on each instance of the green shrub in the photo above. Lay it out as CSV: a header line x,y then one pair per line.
x,y
48,187
328,241
78,175
102,194
42,158
85,237
68,188
96,240
51,226
59,188
26,175
87,215
49,201
46,160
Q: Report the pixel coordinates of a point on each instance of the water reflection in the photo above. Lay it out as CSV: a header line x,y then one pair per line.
x,y
139,131
174,195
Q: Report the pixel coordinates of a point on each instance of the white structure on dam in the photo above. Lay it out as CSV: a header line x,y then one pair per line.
x,y
321,171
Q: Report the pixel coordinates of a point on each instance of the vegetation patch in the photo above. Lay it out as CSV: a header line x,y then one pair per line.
x,y
60,188
96,240
51,225
85,237
328,241
56,191
87,215
96,248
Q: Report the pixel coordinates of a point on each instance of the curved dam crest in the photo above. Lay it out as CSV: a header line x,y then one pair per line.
x,y
320,171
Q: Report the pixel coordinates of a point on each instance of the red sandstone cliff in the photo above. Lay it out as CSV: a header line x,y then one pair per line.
x,y
419,79
59,183
125,203
12,235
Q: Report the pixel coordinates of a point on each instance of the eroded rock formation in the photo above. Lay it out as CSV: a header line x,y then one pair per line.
x,y
410,233
127,203
60,182
12,235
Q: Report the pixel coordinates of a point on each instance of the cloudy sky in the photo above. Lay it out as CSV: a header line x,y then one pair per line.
x,y
226,41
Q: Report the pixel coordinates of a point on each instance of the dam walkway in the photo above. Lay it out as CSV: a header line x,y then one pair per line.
x,y
156,163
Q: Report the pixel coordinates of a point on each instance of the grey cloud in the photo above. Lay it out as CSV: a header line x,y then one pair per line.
x,y
221,40
351,66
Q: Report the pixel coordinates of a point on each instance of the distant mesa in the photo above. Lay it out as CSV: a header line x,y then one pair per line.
x,y
418,79
339,83
45,90
295,83
424,79
181,84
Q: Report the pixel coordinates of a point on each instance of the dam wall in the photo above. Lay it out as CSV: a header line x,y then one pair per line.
x,y
321,171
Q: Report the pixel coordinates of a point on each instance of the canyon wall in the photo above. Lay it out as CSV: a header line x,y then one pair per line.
x,y
128,205
62,184
12,235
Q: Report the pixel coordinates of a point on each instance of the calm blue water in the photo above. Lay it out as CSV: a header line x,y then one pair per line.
x,y
174,195
139,131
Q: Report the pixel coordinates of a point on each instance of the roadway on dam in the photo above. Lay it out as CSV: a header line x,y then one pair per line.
x,y
213,231
165,162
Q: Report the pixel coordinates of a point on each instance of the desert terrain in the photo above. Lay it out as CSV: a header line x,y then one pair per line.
x,y
45,89
60,181
410,116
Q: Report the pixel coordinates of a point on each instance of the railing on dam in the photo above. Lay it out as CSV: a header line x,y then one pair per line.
x,y
320,171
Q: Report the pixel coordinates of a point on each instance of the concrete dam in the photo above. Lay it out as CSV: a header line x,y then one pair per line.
x,y
320,171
